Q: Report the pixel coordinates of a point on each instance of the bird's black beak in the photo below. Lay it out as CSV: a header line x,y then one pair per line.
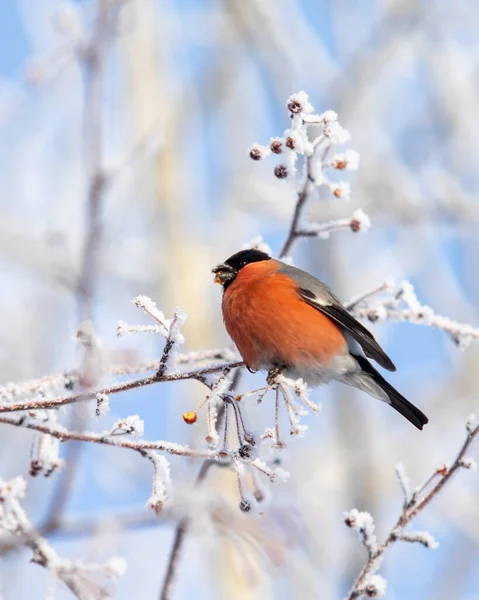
x,y
224,274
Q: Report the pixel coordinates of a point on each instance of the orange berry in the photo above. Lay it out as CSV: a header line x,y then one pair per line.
x,y
189,417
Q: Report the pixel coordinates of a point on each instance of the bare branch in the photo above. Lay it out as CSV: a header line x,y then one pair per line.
x,y
411,509
402,304
110,439
79,577
47,403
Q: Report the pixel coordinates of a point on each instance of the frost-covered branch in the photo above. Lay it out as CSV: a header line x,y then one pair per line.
x,y
368,582
57,401
83,579
402,304
358,221
115,437
83,527
45,453
91,49
44,386
317,163
169,329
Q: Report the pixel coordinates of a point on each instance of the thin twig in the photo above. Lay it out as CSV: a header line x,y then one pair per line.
x,y
303,195
93,60
409,512
47,403
110,440
182,530
79,527
69,379
182,527
354,302
178,541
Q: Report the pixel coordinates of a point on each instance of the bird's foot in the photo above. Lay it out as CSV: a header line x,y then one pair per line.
x,y
272,375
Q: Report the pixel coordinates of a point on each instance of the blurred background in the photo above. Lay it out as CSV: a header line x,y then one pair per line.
x,y
124,170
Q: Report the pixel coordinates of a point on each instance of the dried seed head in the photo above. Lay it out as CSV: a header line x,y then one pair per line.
x,y
276,146
36,467
350,520
69,385
245,505
189,417
360,221
245,451
258,151
255,154
371,591
374,587
355,225
295,106
298,103
290,143
281,171
156,505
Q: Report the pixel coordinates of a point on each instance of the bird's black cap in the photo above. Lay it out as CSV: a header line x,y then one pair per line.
x,y
245,257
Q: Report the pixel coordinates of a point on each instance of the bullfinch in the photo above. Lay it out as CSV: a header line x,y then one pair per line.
x,y
283,319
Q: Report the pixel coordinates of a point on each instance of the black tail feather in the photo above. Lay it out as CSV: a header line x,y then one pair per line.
x,y
398,402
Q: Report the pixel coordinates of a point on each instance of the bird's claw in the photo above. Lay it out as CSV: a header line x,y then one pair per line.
x,y
272,375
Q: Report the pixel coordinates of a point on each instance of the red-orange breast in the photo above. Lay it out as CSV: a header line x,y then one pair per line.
x,y
270,325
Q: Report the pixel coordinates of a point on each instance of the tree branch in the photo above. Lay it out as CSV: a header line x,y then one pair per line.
x,y
56,402
416,504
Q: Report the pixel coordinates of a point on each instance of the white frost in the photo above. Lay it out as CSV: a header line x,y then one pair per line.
x,y
302,99
375,586
361,221
131,425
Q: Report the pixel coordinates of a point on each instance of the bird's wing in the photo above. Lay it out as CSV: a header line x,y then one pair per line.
x,y
342,317
319,296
